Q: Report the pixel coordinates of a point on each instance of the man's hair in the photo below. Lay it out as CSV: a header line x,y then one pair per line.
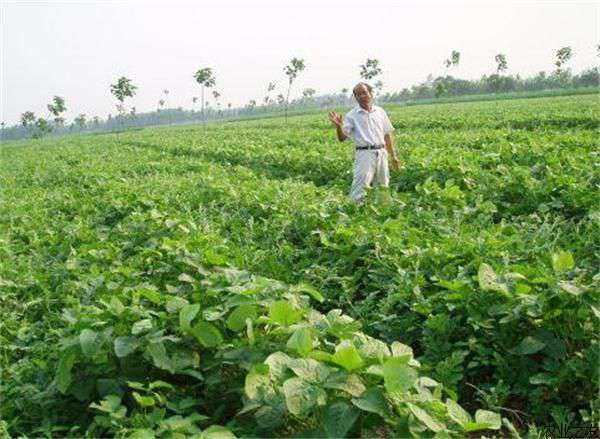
x,y
369,88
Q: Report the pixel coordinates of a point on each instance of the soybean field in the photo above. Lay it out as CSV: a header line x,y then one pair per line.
x,y
215,281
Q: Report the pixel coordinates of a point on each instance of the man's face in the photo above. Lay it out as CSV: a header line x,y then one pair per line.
x,y
362,95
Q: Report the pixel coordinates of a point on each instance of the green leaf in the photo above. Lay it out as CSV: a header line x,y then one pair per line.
x,y
125,345
347,356
88,340
258,382
175,304
144,401
425,418
489,281
570,288
207,334
278,364
237,319
63,371
116,307
320,356
457,413
339,419
158,352
184,277
153,296
142,433
217,432
301,341
562,261
141,326
401,350
186,315
398,376
350,383
373,401
110,404
309,370
301,397
528,346
271,416
489,420
305,288
284,313
371,348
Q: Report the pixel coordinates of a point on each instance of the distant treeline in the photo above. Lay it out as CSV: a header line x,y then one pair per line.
x,y
438,88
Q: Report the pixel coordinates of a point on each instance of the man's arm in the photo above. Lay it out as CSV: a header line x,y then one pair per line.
x,y
336,119
389,146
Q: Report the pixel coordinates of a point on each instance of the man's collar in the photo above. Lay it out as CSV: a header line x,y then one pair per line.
x,y
359,108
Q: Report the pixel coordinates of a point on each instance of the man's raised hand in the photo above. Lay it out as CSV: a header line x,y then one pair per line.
x,y
335,118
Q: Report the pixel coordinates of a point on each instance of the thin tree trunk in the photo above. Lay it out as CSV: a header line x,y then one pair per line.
x,y
287,101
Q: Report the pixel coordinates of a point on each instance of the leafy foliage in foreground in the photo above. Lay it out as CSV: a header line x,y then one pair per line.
x,y
483,259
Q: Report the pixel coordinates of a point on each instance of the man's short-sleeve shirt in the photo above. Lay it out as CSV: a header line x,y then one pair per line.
x,y
367,128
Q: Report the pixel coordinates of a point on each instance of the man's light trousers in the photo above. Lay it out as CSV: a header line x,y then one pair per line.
x,y
370,165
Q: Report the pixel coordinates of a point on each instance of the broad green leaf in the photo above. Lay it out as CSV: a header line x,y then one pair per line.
x,y
489,281
371,348
570,288
175,304
372,400
207,334
301,341
305,288
301,397
320,356
340,325
159,384
398,376
88,340
258,383
339,418
427,382
143,400
425,418
142,433
63,371
184,277
141,326
116,306
350,383
375,369
528,346
485,420
237,319
109,404
153,296
213,258
562,261
158,352
217,432
278,364
284,313
271,416
309,370
401,350
457,413
187,314
125,345
347,356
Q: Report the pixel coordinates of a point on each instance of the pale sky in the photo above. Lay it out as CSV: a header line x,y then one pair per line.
x,y
76,49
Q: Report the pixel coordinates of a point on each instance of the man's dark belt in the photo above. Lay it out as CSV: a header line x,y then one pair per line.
x,y
369,147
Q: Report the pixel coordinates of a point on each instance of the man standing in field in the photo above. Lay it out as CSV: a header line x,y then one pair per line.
x,y
371,129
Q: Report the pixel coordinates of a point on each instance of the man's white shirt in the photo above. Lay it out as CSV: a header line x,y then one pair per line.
x,y
367,128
